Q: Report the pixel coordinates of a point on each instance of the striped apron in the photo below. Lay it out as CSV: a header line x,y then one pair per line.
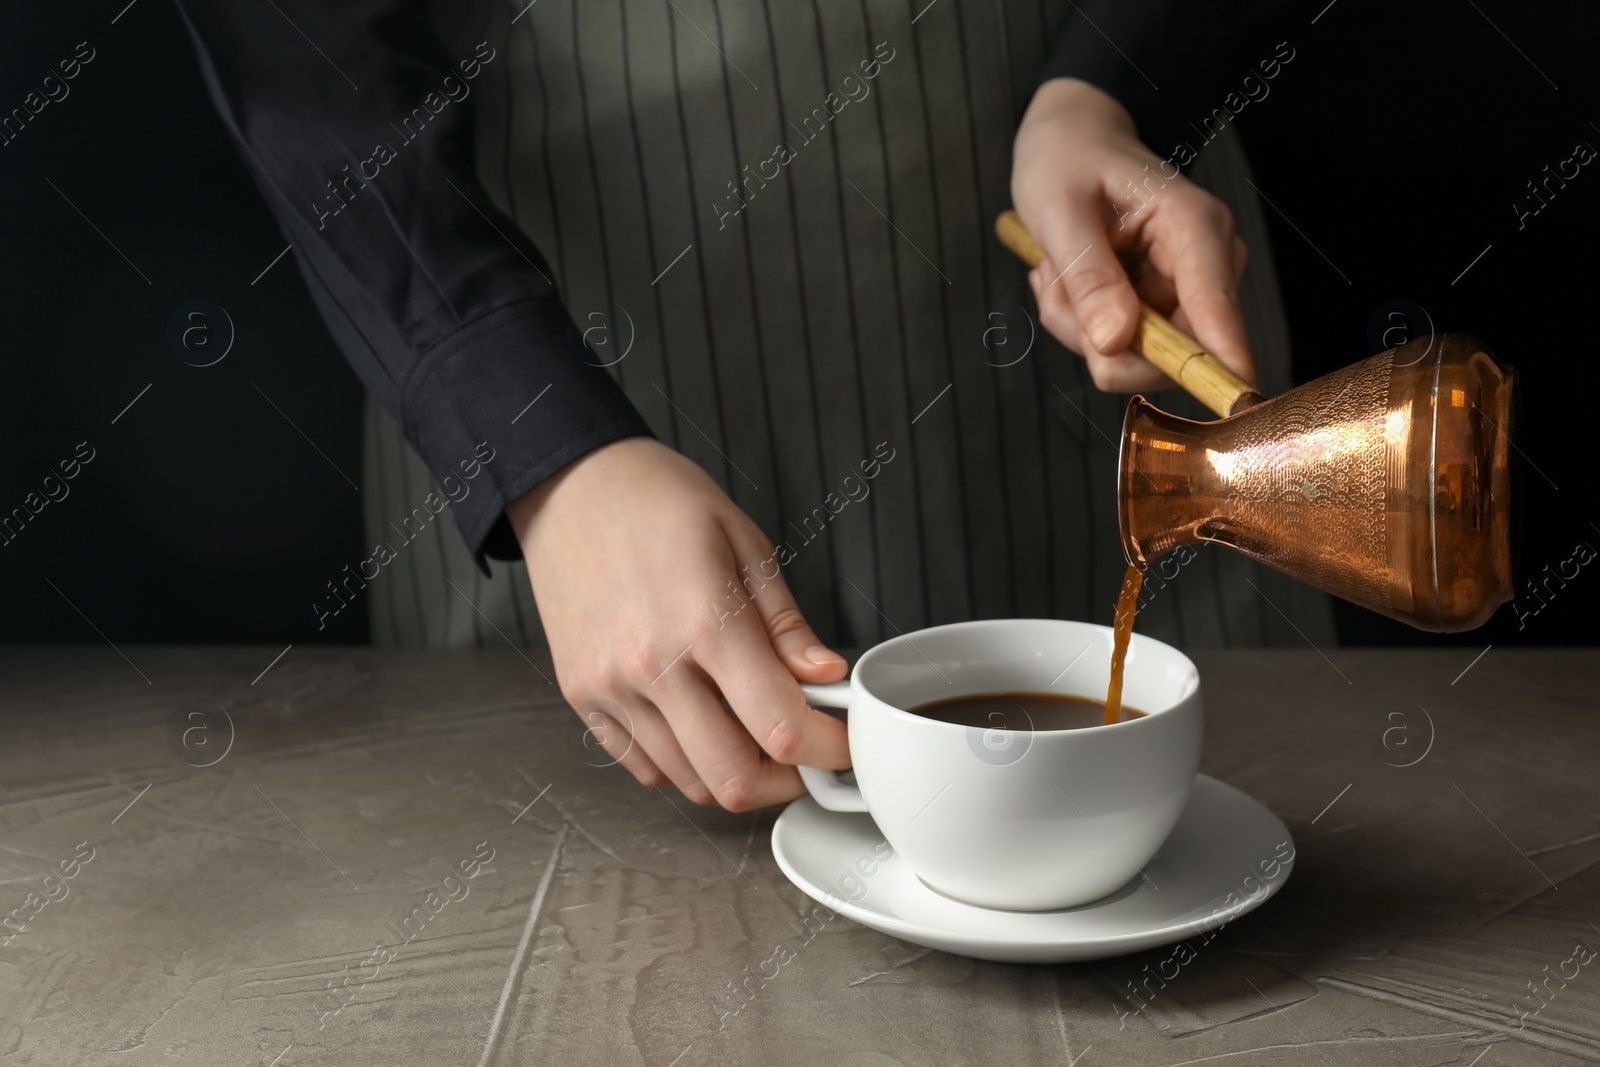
x,y
773,221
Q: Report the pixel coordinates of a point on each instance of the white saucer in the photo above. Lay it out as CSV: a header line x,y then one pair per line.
x,y
1213,868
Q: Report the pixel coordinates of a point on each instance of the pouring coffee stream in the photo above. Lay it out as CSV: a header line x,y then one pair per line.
x,y
1386,482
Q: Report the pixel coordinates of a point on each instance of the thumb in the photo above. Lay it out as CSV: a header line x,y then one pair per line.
x,y
797,645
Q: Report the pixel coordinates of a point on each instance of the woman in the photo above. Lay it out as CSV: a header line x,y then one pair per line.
x,y
713,288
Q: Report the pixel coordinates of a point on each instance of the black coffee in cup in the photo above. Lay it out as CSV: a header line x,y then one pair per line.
x,y
1021,711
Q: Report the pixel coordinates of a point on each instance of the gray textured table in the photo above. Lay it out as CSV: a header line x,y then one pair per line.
x,y
275,908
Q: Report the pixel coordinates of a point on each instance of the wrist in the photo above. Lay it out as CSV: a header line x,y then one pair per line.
x,y
1079,102
526,510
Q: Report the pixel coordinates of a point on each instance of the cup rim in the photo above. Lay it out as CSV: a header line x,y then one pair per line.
x,y
860,686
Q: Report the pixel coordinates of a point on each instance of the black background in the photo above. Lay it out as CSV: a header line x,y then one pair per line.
x,y
205,516
1402,136
1396,142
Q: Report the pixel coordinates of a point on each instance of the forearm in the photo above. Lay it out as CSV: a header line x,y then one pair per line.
x,y
441,304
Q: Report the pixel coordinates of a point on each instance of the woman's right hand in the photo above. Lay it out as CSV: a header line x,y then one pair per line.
x,y
643,571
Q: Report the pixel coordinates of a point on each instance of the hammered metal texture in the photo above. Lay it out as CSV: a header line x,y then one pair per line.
x,y
1334,483
1305,477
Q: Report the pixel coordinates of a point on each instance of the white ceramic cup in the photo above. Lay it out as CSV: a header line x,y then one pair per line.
x,y
1024,820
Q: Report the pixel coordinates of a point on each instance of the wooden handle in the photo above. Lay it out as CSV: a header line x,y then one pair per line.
x,y
1180,356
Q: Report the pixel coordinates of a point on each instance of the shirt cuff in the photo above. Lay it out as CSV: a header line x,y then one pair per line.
x,y
493,412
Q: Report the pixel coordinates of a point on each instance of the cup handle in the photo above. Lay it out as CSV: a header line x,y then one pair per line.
x,y
826,787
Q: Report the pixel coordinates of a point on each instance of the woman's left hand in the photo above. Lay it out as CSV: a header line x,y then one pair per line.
x,y
1116,228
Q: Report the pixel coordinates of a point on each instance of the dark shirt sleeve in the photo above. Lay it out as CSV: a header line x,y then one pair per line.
x,y
1174,64
356,126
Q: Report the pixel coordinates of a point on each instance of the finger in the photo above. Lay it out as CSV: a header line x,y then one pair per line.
x,y
1158,290
1207,284
745,667
655,737
612,736
1055,309
1154,288
1126,373
761,583
724,755
1097,287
